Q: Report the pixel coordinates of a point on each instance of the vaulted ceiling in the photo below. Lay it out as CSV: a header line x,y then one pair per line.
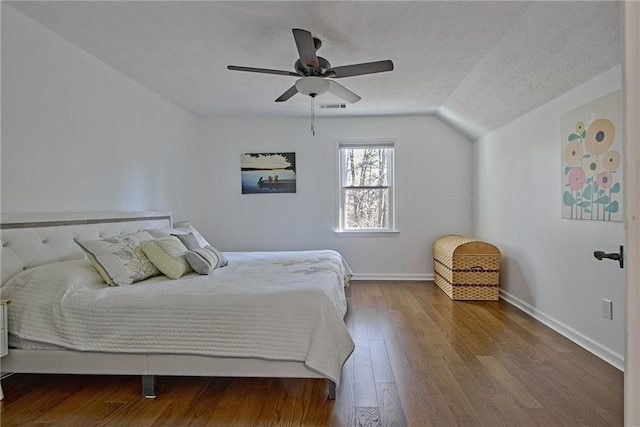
x,y
476,65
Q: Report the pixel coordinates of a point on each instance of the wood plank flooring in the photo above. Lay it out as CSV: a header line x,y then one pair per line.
x,y
420,360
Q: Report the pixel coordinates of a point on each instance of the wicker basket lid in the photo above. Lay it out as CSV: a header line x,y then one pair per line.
x,y
467,246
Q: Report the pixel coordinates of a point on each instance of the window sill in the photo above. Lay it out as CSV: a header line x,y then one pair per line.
x,y
366,233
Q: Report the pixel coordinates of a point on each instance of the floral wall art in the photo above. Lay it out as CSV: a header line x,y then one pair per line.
x,y
592,181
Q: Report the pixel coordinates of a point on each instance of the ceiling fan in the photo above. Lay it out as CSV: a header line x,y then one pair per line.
x,y
314,71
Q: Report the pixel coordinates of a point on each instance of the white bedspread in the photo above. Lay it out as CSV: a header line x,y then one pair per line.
x,y
271,305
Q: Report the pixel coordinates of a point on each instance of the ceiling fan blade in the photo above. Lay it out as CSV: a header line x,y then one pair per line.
x,y
288,94
306,48
360,69
342,92
262,70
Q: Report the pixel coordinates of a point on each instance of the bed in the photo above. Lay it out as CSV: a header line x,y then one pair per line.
x,y
264,314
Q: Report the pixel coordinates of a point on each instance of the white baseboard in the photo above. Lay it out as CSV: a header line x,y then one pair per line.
x,y
392,277
606,354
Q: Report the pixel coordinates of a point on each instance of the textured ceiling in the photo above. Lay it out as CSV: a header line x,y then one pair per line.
x,y
476,65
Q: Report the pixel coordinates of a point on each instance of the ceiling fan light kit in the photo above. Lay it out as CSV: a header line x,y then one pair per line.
x,y
312,86
314,72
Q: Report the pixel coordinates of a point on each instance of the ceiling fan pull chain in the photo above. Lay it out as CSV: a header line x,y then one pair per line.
x,y
313,115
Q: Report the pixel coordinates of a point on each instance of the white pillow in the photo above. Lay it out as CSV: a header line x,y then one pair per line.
x,y
120,259
161,232
189,240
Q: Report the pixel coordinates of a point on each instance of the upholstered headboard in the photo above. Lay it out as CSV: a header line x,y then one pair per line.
x,y
31,240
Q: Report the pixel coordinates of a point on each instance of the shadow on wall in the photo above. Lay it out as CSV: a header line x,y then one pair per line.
x,y
514,277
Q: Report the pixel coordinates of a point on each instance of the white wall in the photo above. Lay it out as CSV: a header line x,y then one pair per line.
x,y
548,268
433,172
77,135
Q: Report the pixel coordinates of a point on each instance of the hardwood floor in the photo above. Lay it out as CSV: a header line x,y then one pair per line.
x,y
420,359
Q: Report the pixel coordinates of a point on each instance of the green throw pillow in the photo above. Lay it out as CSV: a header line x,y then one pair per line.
x,y
168,255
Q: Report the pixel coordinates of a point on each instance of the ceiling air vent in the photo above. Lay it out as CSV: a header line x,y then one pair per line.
x,y
333,105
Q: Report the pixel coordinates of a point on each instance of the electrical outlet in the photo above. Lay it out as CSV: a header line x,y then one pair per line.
x,y
607,308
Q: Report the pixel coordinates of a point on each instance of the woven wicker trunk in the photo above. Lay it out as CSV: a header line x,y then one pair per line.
x,y
466,269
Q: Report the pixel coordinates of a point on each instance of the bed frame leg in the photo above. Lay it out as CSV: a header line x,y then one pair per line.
x,y
149,386
332,390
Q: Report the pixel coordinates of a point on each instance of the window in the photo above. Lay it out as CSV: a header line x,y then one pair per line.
x,y
366,187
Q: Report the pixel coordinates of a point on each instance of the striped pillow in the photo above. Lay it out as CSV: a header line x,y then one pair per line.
x,y
190,240
205,260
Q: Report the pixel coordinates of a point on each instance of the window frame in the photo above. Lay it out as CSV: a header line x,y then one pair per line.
x,y
342,145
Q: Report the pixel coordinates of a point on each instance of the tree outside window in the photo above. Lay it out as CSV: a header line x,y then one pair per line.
x,y
366,186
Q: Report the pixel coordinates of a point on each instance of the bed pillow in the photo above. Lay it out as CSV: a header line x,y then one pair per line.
x,y
190,240
205,260
161,232
168,255
120,258
98,267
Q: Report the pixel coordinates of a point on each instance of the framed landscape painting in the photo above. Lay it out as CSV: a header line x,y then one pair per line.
x,y
268,173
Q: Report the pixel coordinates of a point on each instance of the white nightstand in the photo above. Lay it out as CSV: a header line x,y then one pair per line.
x,y
4,334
